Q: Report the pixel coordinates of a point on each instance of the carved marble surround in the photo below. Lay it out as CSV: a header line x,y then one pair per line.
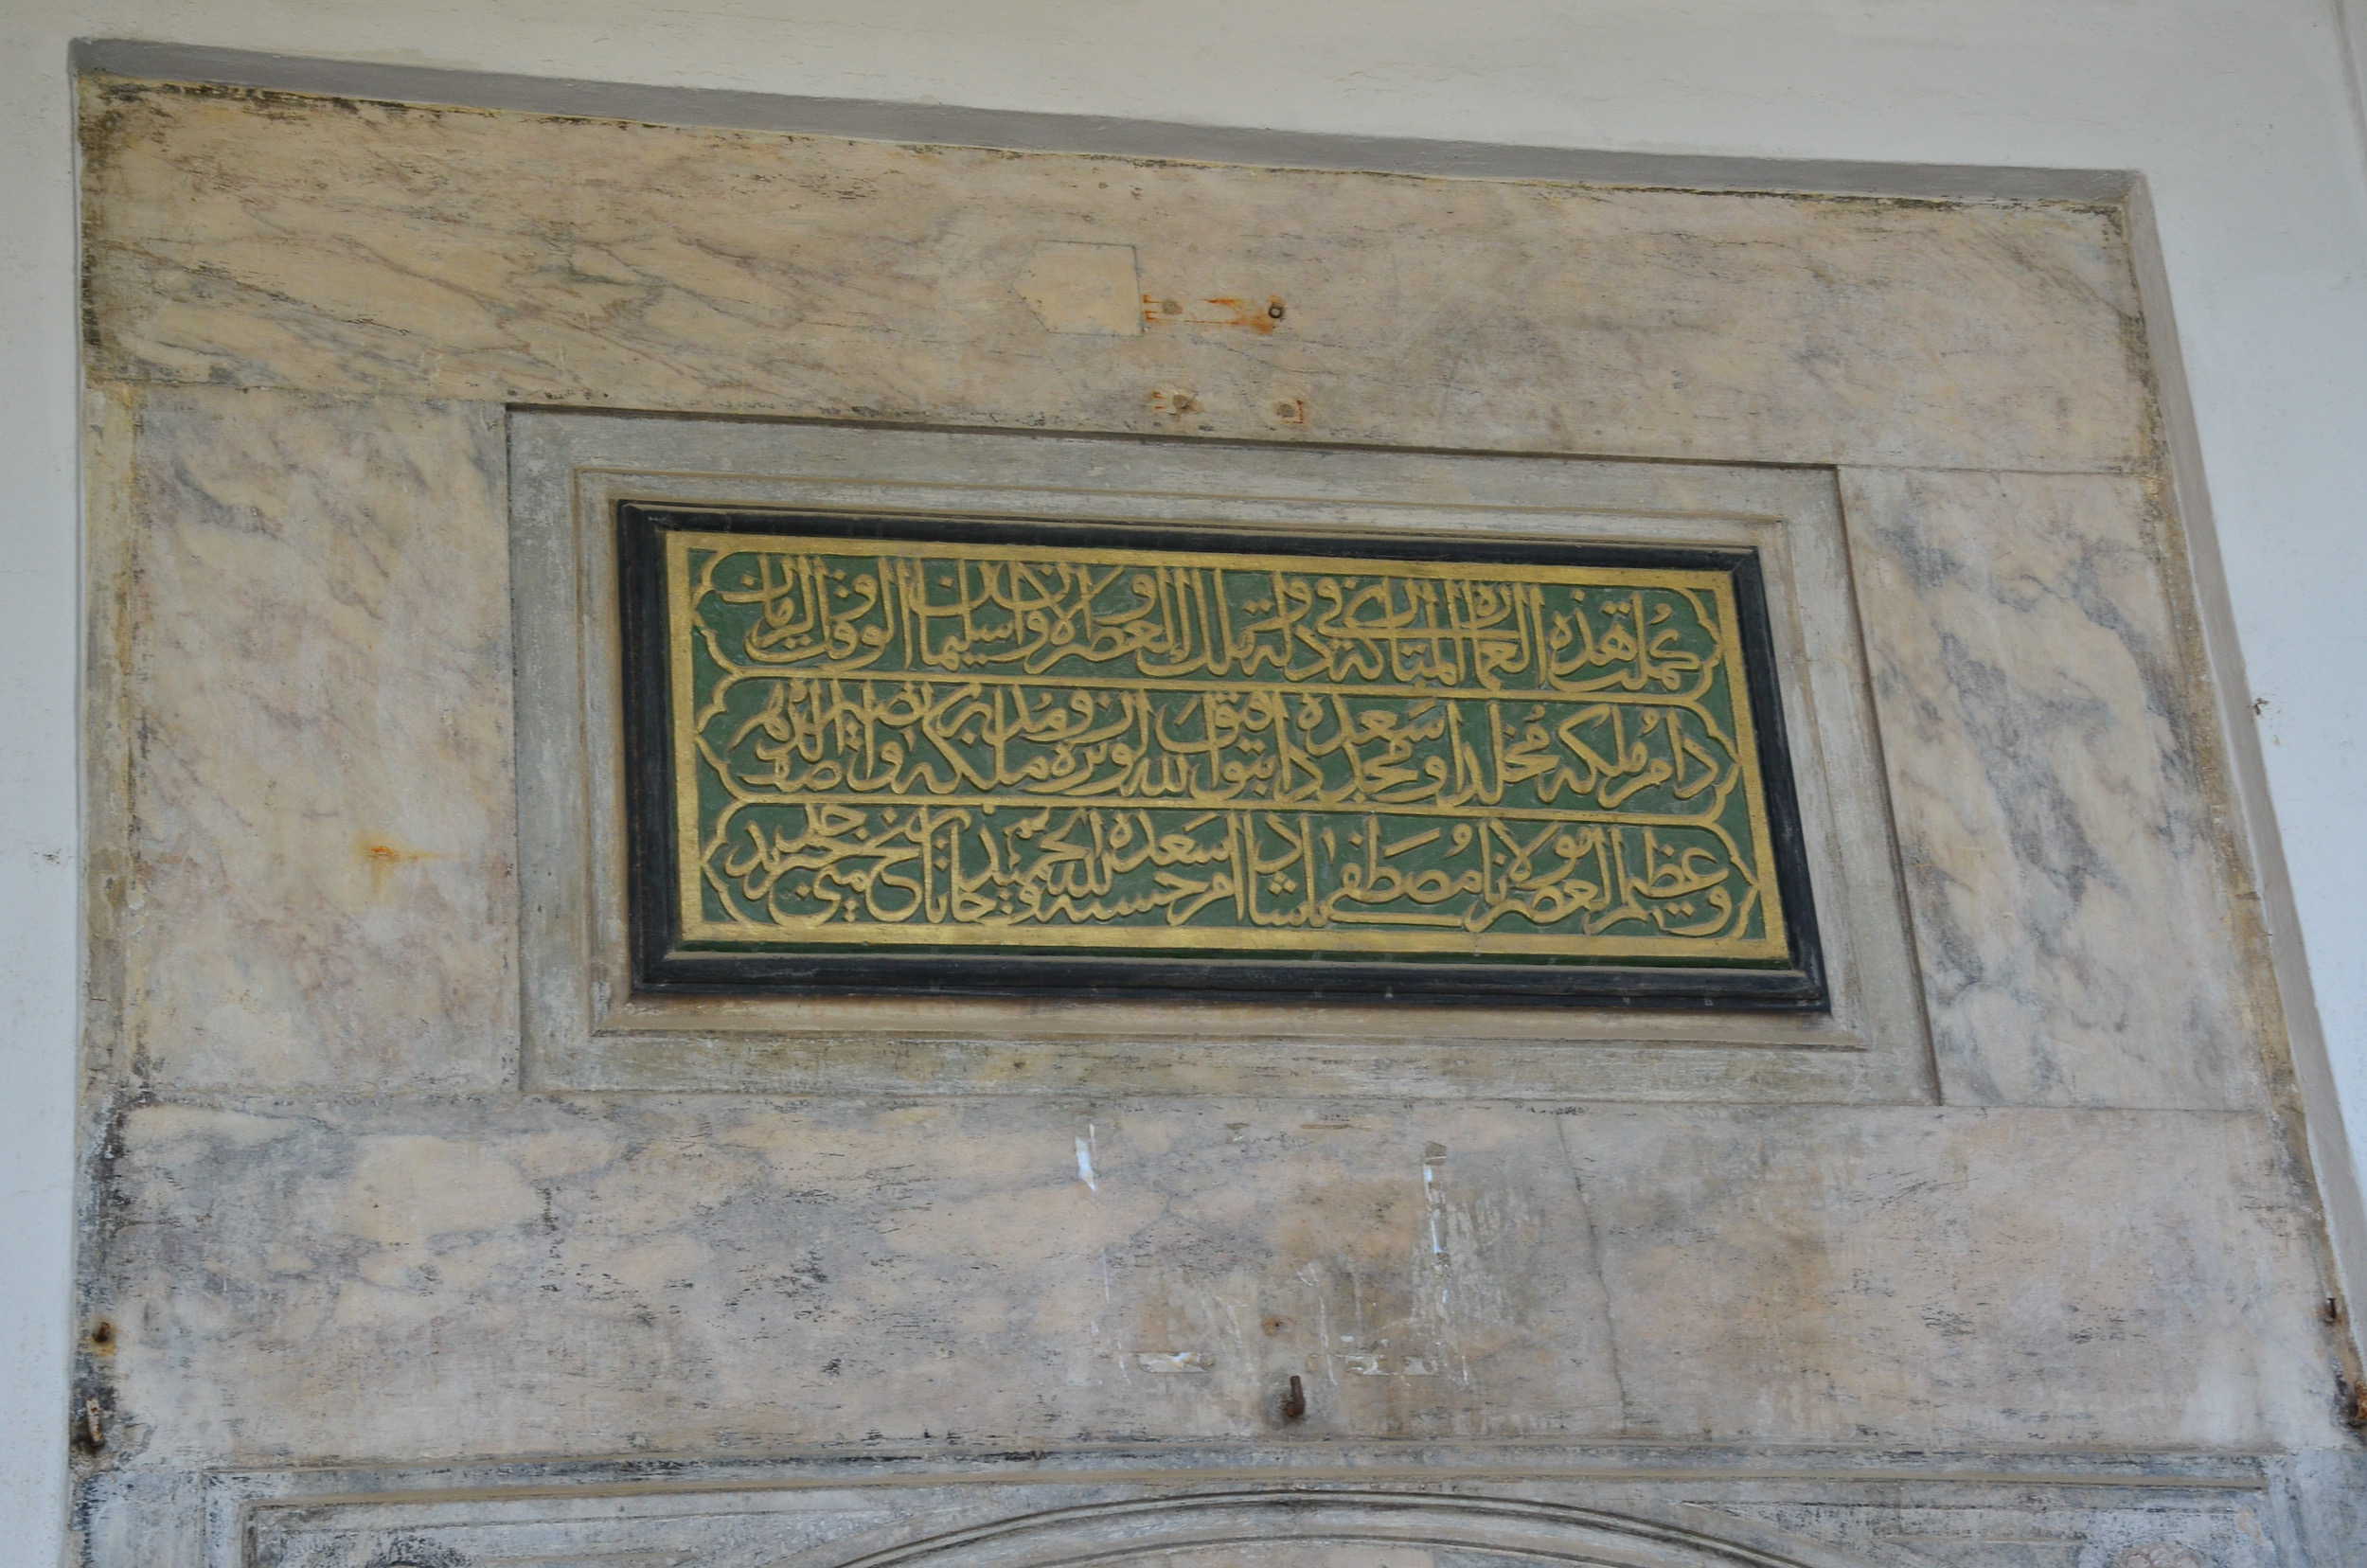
x,y
585,1029
383,1265
1293,1506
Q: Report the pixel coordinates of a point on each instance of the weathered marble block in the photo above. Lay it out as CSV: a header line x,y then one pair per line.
x,y
370,248
729,1275
2075,894
306,682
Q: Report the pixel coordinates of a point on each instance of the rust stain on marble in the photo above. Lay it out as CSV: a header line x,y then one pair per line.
x,y
1255,315
384,856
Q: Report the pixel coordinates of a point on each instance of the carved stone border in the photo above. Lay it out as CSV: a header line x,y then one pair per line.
x,y
584,1029
1644,1505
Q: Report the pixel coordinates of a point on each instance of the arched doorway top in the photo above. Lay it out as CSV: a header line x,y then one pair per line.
x,y
1343,1528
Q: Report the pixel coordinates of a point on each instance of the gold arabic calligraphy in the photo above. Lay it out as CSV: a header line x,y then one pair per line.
x,y
978,745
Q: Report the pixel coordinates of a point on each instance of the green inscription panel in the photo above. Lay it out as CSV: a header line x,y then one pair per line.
x,y
881,744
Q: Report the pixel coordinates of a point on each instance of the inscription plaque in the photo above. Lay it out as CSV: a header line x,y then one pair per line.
x,y
906,754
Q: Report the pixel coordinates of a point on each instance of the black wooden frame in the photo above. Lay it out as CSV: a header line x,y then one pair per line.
x,y
662,964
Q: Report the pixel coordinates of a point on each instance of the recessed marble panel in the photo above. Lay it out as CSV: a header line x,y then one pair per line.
x,y
2024,1531
711,1275
310,700
273,240
1448,1504
2047,745
589,1027
1496,1523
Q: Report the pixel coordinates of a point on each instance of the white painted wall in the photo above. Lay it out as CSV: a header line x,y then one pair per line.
x,y
2241,113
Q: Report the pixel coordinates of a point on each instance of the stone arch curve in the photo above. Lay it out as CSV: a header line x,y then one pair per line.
x,y
1275,1528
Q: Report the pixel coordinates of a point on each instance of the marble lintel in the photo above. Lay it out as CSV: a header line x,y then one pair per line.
x,y
269,239
729,1275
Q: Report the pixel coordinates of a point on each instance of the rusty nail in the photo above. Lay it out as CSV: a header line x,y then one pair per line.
x,y
1275,310
1294,1403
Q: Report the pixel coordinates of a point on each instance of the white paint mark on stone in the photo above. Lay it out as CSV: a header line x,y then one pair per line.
x,y
1431,1198
1085,1160
1173,1360
1436,1202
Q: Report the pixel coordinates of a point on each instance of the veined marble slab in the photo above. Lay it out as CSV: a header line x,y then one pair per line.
x,y
2048,745
728,1274
266,239
306,685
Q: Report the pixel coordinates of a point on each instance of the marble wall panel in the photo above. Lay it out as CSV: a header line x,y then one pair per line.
x,y
327,1228
271,239
1831,1508
2006,1277
2025,1532
1474,1520
1428,1504
441,1277
306,715
2070,876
